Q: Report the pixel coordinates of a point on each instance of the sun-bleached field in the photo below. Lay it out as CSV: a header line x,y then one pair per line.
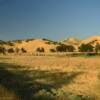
x,y
51,77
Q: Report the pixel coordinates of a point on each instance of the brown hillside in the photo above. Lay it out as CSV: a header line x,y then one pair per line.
x,y
92,40
31,45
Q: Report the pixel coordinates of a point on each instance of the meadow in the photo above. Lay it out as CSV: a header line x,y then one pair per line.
x,y
49,77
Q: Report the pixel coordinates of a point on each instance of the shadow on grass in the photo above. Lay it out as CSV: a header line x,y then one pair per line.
x,y
4,58
24,83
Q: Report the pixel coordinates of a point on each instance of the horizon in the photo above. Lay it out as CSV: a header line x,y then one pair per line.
x,y
51,19
50,39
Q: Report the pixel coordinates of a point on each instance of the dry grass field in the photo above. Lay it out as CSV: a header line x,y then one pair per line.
x,y
49,78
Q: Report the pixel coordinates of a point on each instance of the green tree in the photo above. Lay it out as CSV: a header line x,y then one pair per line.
x,y
61,48
2,50
17,50
52,50
97,48
40,49
23,50
65,48
86,48
70,48
10,50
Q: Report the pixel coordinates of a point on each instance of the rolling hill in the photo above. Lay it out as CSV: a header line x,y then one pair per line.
x,y
31,45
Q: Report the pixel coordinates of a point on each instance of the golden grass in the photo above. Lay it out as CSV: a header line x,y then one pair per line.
x,y
86,83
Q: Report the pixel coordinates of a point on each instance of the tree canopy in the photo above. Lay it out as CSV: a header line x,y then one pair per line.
x,y
86,48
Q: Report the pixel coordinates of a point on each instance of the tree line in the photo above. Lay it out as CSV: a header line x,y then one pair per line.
x,y
71,48
4,51
59,48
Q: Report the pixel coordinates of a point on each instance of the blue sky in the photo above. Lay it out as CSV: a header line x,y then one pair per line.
x,y
52,19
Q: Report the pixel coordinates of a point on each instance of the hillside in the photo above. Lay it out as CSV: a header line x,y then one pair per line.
x,y
71,41
30,45
33,45
92,40
76,42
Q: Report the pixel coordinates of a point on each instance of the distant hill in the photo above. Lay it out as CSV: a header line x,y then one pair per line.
x,y
30,45
34,45
92,40
71,41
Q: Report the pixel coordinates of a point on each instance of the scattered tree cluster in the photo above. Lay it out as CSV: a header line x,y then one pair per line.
x,y
89,48
86,48
40,49
10,43
10,50
70,48
52,50
65,48
60,48
2,50
28,40
23,50
97,48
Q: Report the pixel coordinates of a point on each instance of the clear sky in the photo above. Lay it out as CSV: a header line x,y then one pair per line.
x,y
53,19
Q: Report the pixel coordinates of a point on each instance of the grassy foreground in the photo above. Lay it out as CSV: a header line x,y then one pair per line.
x,y
49,78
